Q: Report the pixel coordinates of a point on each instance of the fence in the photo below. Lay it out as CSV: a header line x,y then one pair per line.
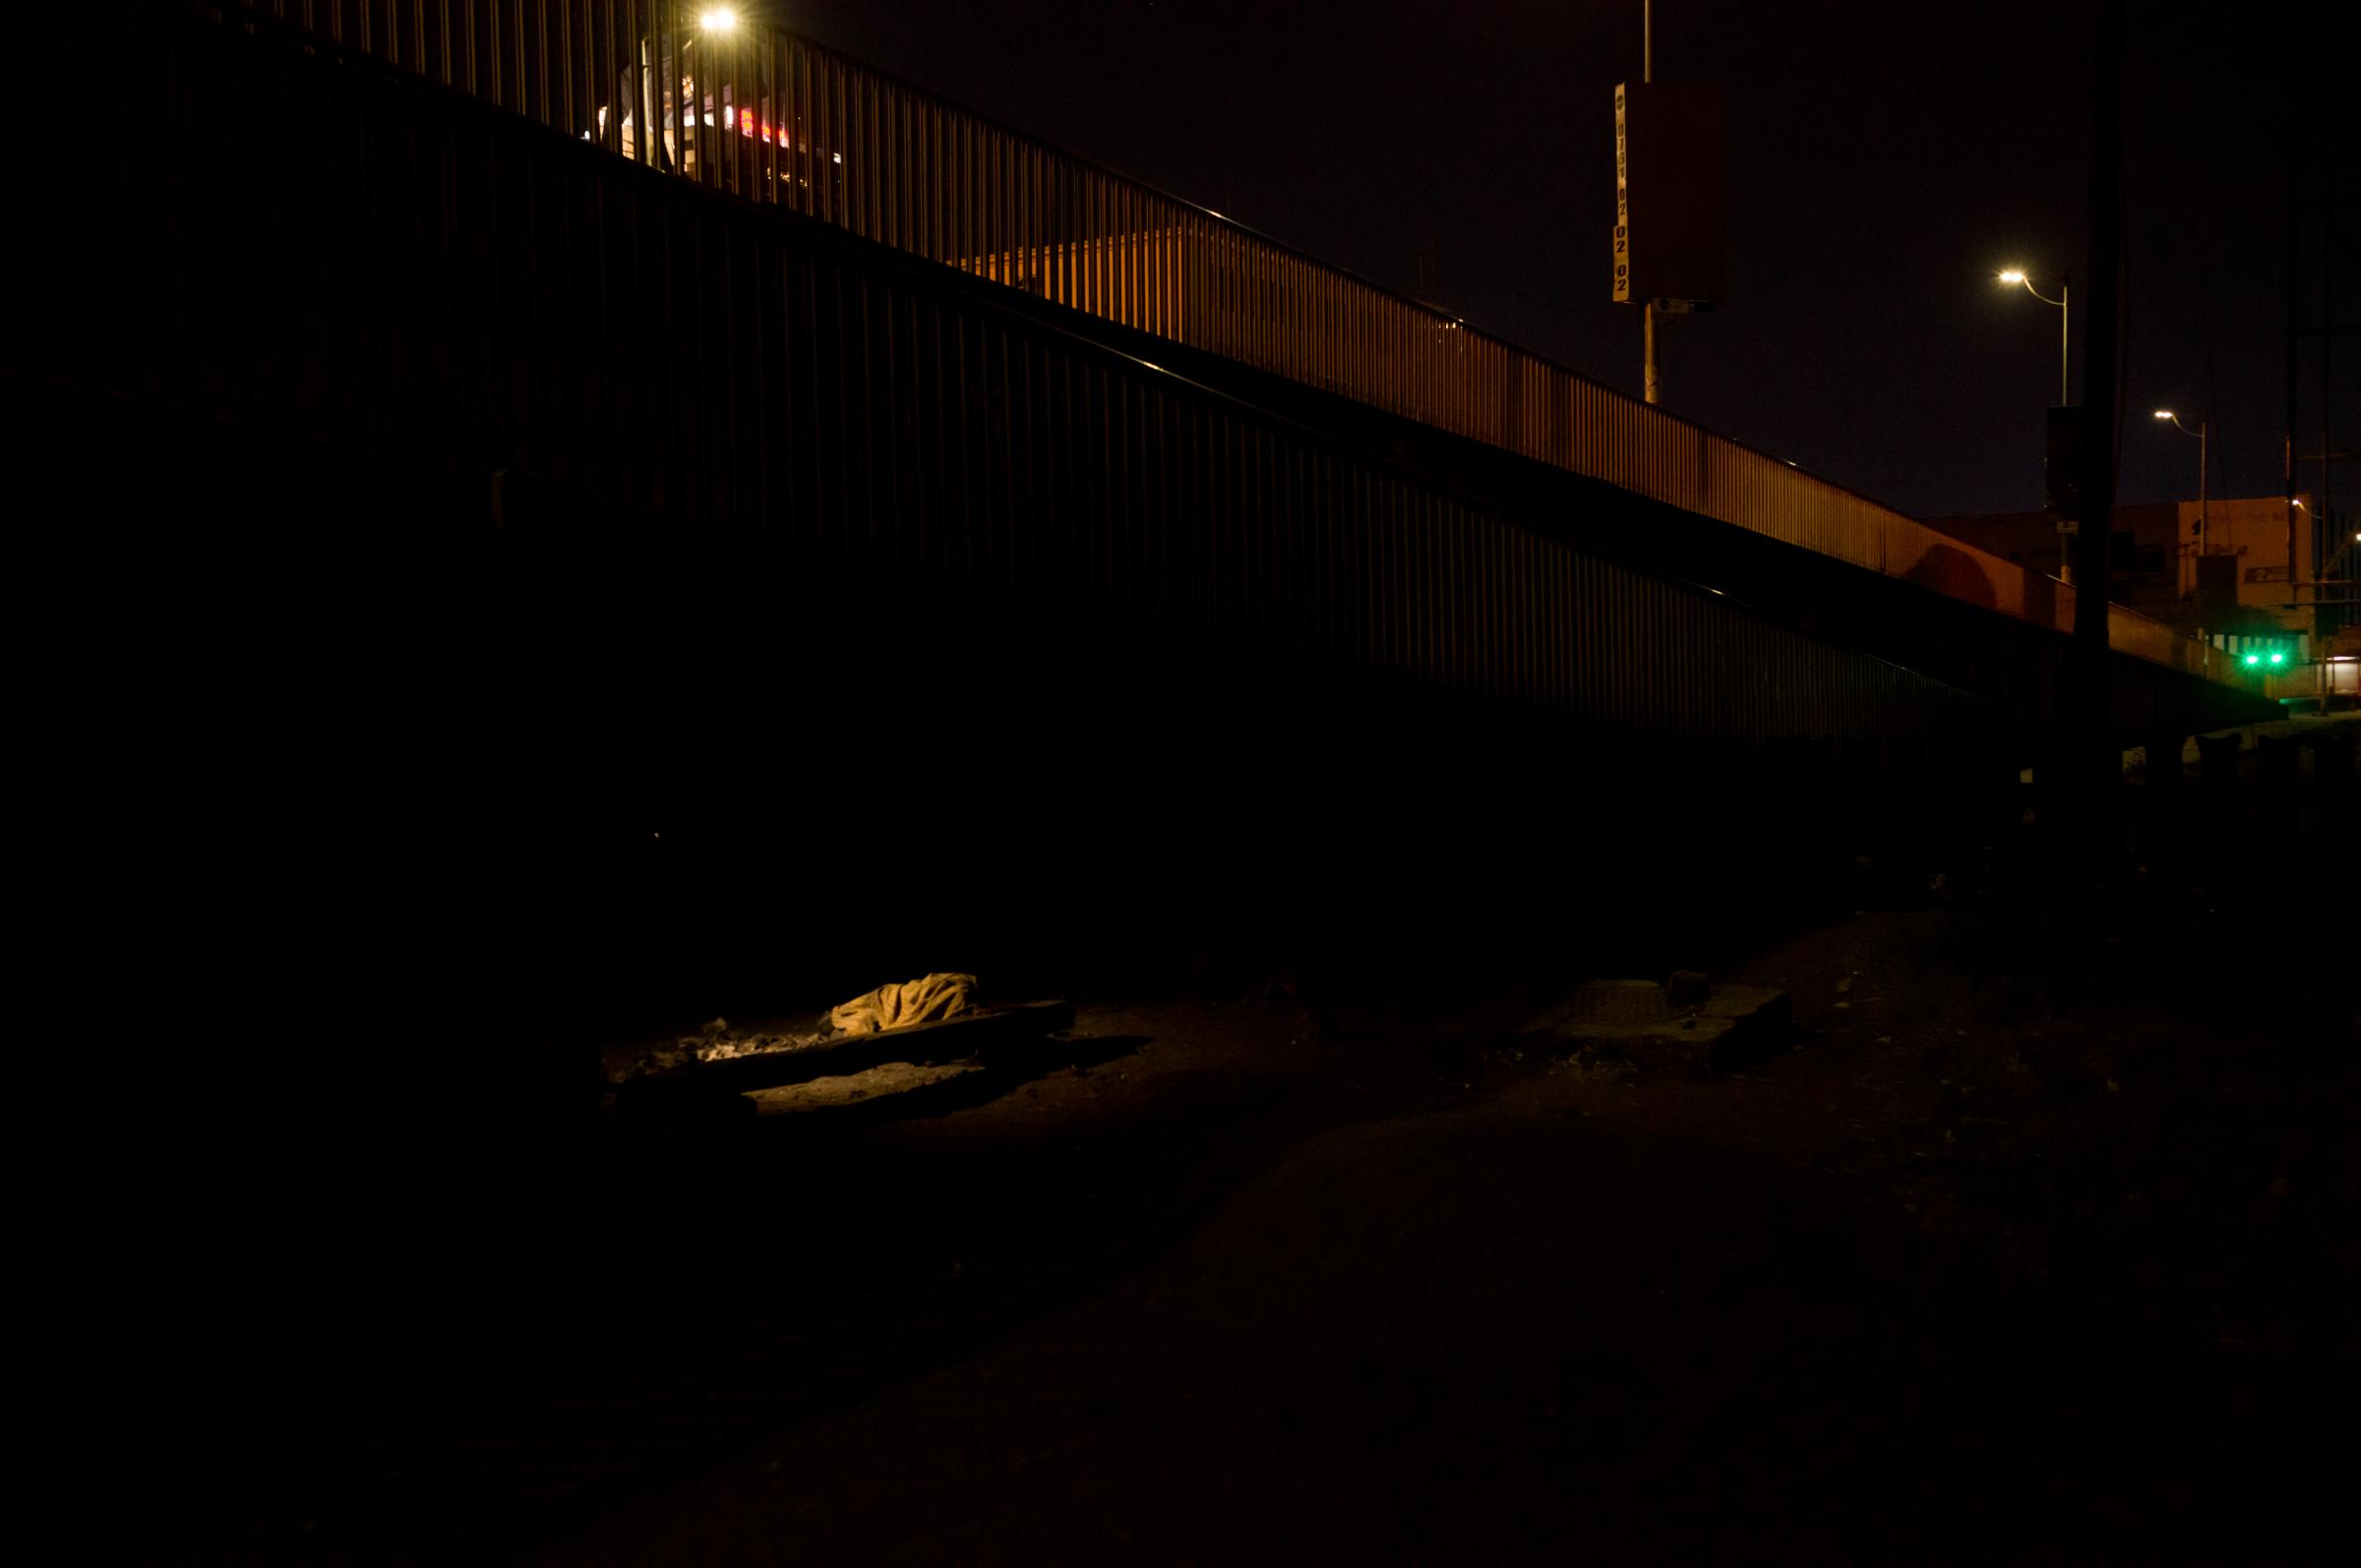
x,y
770,117
338,253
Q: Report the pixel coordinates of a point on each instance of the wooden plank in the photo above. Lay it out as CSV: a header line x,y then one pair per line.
x,y
978,1033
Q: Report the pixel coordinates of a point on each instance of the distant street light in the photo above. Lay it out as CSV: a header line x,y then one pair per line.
x,y
2065,316
720,19
2199,433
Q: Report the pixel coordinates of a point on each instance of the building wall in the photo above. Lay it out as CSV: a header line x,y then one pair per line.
x,y
2153,550
2146,562
2255,530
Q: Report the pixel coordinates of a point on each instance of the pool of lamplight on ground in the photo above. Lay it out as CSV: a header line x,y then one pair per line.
x,y
2011,1240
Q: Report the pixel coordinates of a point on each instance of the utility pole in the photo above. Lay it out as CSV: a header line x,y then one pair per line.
x,y
1651,385
2204,510
1670,148
2287,451
2065,340
2093,752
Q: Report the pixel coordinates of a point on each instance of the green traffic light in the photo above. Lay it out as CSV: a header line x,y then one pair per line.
x,y
2254,658
2278,658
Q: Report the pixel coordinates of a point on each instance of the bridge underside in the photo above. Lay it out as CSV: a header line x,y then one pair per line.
x,y
355,737
1939,620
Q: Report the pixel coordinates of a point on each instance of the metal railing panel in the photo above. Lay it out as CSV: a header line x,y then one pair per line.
x,y
821,360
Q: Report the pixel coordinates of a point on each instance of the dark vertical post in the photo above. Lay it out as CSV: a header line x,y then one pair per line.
x,y
1651,387
2325,504
2094,756
2295,346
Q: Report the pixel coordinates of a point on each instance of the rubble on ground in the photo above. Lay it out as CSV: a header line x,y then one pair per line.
x,y
1688,1026
715,1042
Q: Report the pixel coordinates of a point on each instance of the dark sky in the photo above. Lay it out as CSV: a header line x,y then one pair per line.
x,y
1885,160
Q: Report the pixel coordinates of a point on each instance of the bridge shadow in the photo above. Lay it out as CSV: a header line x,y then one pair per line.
x,y
1958,574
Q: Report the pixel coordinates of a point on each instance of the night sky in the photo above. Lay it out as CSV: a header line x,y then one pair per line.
x,y
1885,161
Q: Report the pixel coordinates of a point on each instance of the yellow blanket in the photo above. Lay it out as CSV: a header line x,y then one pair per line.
x,y
908,1002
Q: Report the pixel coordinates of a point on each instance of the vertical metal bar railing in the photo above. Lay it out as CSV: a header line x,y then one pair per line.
x,y
772,117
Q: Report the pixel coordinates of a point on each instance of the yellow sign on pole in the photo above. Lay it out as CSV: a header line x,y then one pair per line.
x,y
1622,205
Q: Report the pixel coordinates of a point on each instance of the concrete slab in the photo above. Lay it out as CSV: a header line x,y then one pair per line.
x,y
877,1084
985,1032
1638,1021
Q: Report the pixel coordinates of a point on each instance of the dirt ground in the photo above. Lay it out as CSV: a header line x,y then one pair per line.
x,y
2040,1244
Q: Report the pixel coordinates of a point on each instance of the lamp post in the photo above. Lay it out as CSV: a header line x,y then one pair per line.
x,y
2199,433
2065,317
1651,385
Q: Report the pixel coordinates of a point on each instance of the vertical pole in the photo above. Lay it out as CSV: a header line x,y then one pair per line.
x,y
2064,342
2324,511
2204,510
1651,385
2091,740
1648,387
2294,347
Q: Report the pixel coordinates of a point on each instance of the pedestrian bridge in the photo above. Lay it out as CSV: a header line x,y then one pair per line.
x,y
564,518
618,257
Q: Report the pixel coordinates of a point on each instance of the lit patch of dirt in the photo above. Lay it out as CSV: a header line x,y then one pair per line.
x,y
855,1087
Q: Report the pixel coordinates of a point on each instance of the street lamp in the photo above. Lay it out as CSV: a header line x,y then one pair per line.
x,y
2065,316
718,20
2199,433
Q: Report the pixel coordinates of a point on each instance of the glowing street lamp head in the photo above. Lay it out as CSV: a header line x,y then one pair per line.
x,y
2011,275
2163,414
718,19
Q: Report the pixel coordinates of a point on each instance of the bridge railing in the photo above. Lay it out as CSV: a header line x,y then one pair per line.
x,y
342,300
771,117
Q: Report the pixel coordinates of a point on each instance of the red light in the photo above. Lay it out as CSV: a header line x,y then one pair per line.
x,y
749,125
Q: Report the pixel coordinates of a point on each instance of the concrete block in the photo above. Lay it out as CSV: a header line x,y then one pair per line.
x,y
1638,1021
